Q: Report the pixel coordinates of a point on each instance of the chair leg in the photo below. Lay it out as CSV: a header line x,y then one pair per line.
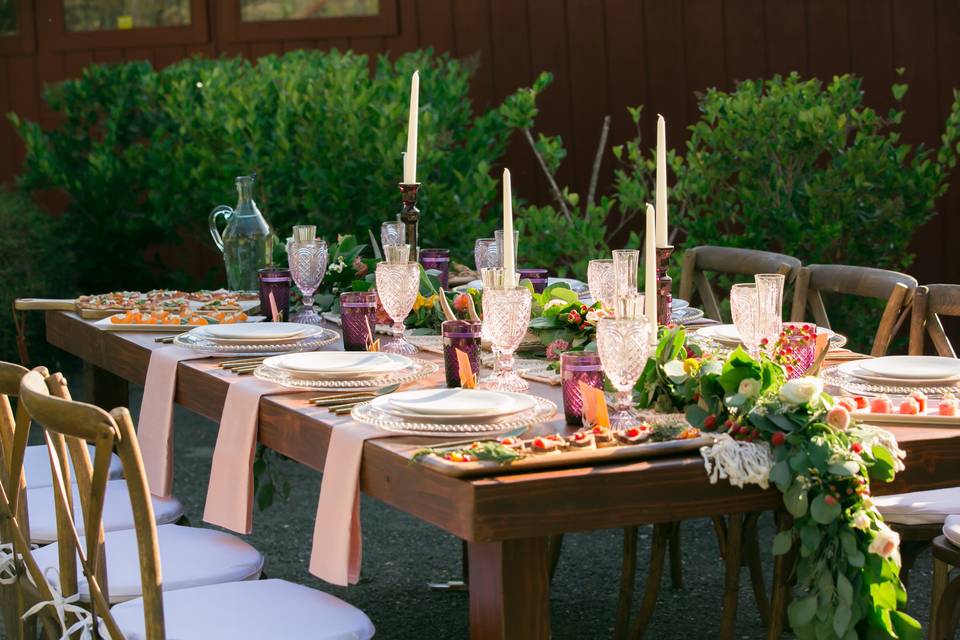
x,y
731,582
751,557
941,577
628,570
658,552
676,557
945,621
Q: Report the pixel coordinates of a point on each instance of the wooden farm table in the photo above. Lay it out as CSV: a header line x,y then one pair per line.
x,y
504,519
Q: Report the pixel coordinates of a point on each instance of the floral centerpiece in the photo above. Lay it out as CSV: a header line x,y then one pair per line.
x,y
346,271
562,322
793,435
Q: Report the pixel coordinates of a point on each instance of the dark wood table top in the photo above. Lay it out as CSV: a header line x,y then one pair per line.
x,y
499,507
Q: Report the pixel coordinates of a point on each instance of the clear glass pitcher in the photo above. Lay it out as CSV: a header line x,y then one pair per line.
x,y
247,241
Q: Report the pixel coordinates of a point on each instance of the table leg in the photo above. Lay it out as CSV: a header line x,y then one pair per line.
x,y
509,590
104,389
734,550
782,581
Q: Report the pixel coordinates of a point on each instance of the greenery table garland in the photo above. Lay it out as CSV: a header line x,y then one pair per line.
x,y
792,434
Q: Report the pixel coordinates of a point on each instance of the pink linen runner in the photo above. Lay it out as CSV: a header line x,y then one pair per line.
x,y
230,491
155,426
337,548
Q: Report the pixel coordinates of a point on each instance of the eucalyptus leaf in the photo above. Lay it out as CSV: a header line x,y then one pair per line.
x,y
823,511
795,500
782,543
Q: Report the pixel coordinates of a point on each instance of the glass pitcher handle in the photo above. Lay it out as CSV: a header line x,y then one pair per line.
x,y
226,212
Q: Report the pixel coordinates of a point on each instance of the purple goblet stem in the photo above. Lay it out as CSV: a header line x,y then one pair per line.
x,y
410,215
465,336
577,367
276,281
664,286
438,260
358,317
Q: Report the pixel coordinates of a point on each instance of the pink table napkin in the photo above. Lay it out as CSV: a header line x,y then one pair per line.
x,y
230,491
337,549
155,426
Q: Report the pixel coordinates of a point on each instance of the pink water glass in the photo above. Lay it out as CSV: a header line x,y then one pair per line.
x,y
577,367
797,348
358,318
465,336
277,281
537,277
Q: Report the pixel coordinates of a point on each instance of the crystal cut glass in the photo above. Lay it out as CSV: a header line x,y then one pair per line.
x,y
485,254
624,345
625,263
602,282
397,286
392,233
769,308
506,314
308,264
744,308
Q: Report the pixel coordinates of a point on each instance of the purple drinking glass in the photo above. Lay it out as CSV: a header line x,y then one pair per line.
x,y
358,318
277,281
463,335
439,260
577,367
537,277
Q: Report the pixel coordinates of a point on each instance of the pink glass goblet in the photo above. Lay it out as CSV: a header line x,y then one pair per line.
x,y
397,286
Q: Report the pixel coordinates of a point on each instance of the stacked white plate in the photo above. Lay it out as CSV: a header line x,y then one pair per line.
x,y
461,405
339,365
905,371
727,334
256,333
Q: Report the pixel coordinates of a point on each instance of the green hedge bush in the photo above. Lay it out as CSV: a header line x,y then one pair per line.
x,y
144,155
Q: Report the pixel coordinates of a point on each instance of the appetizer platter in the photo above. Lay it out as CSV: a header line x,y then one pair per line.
x,y
915,408
591,445
171,321
95,307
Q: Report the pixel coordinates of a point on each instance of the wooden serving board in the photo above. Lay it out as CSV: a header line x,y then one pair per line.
x,y
106,325
568,458
904,420
48,304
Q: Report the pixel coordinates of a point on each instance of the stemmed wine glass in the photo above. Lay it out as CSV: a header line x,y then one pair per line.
x,y
506,314
744,307
393,232
397,286
624,346
307,257
602,282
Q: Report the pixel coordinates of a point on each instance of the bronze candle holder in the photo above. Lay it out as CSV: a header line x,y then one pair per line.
x,y
410,216
664,286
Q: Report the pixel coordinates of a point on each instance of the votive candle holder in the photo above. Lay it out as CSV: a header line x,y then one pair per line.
x,y
358,318
465,336
577,367
275,280
537,278
438,260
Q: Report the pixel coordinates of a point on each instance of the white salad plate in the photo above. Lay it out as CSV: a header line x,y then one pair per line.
x,y
855,369
459,404
340,364
258,331
916,368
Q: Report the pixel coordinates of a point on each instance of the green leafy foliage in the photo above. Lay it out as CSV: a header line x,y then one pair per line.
x,y
144,155
800,167
33,266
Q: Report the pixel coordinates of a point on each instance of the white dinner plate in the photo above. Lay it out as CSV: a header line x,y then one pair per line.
x,y
258,331
341,364
309,330
856,370
452,404
676,304
924,368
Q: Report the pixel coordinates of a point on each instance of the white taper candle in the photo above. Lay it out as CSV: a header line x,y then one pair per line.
x,y
509,251
662,231
410,159
650,272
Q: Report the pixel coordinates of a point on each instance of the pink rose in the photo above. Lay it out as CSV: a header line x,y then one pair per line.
x,y
839,418
886,542
555,348
360,267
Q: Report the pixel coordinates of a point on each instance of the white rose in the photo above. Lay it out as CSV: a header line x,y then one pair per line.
x,y
711,367
749,387
861,520
674,371
556,302
886,543
801,390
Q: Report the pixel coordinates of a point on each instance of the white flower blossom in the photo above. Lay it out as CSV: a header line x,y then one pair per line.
x,y
886,543
801,390
674,371
861,520
749,387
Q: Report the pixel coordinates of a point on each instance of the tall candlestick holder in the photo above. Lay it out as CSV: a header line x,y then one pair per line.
x,y
410,216
664,286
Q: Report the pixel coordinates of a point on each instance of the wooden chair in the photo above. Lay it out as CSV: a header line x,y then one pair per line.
x,y
698,261
247,609
929,303
895,288
945,601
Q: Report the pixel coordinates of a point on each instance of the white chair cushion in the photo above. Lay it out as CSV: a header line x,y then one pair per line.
x,y
117,512
951,529
257,609
189,557
36,466
919,507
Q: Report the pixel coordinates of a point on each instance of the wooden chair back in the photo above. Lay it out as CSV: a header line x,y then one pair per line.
x,y
929,303
70,425
895,288
699,261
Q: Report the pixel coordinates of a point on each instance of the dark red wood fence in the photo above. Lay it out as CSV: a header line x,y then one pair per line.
x,y
605,55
